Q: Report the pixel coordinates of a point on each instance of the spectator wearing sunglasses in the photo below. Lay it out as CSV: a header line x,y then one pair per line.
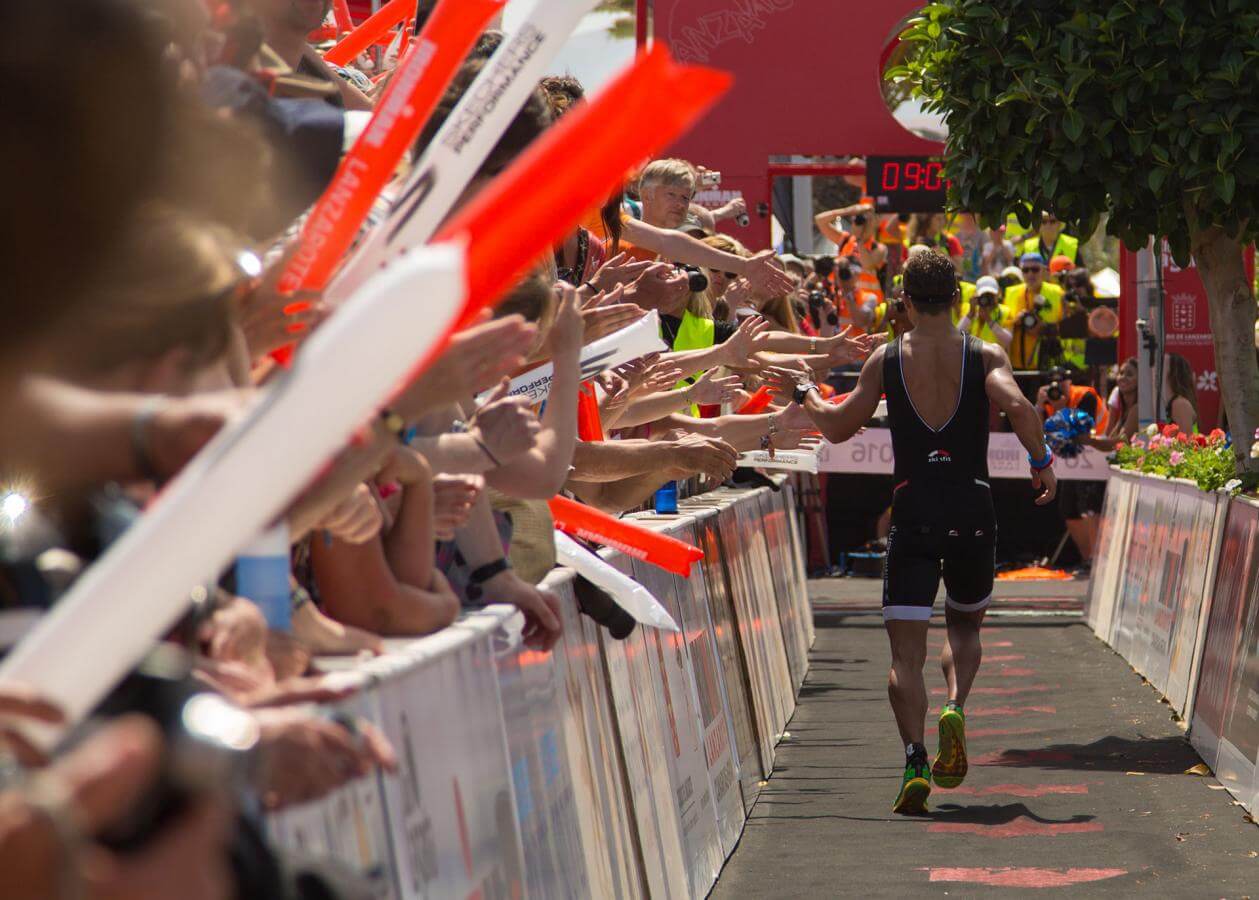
x,y
1033,306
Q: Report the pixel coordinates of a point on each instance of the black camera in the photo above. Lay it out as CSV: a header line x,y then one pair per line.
x,y
860,220
986,301
903,218
845,271
696,280
599,605
824,266
817,299
832,319
1055,391
1029,320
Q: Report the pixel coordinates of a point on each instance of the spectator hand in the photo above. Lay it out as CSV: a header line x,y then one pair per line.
x,y
604,320
844,350
305,756
782,381
711,389
505,426
738,349
618,271
474,361
453,497
235,632
182,426
660,376
660,287
766,277
616,395
16,703
356,519
541,608
700,454
568,331
269,319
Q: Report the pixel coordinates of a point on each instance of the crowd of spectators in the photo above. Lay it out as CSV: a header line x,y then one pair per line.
x,y
164,153
162,156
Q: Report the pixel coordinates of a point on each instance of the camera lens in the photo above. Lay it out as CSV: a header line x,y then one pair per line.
x,y
845,273
816,298
832,319
859,219
1055,392
697,281
1029,320
743,220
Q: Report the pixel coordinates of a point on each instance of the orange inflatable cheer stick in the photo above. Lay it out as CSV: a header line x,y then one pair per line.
x,y
341,14
395,124
757,403
369,32
574,166
589,424
633,540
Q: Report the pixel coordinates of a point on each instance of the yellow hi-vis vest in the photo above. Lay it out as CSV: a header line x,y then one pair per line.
x,y
695,333
1065,245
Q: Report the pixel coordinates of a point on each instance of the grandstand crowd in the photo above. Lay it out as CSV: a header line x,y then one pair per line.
x,y
162,155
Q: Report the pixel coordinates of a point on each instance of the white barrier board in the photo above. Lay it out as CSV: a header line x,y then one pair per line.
x,y
870,453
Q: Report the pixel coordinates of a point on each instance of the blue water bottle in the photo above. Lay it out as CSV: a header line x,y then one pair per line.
x,y
667,499
262,576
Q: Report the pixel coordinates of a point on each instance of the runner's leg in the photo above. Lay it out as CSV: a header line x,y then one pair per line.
x,y
906,687
963,651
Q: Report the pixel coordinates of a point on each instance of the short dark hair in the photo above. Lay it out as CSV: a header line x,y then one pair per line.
x,y
930,282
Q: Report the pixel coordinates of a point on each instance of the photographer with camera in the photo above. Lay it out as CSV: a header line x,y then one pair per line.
x,y
1050,242
860,246
985,316
1035,310
1080,502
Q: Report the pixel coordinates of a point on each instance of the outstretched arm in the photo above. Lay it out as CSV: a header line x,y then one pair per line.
x,y
838,422
1004,391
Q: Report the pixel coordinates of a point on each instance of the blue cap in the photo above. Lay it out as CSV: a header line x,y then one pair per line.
x,y
1031,257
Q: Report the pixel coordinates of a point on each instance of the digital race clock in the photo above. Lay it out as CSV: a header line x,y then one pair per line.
x,y
906,184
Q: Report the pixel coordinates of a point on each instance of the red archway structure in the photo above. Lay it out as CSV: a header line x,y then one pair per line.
x,y
807,81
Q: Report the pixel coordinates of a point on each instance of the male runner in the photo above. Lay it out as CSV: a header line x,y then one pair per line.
x,y
938,383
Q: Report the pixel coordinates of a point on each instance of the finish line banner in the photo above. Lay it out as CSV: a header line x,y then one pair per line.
x,y
870,453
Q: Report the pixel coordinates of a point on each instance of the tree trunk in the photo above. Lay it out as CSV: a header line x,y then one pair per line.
x,y
1221,263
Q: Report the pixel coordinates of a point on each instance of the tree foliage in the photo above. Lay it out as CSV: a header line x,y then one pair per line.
x,y
1146,109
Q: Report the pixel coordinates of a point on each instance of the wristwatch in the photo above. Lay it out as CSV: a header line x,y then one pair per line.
x,y
478,577
801,393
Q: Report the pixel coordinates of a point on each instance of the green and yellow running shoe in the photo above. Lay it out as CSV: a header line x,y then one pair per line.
x,y
949,768
915,788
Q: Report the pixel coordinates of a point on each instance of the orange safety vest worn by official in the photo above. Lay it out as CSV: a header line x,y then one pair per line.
x,y
867,281
1078,393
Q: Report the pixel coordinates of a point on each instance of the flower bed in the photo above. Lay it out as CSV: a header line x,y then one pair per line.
x,y
1207,460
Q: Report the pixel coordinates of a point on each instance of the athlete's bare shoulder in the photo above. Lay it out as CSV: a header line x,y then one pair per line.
x,y
994,356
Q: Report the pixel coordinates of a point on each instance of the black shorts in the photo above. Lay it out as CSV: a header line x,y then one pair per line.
x,y
939,530
1077,499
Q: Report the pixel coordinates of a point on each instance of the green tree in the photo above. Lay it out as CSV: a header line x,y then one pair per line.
x,y
1145,110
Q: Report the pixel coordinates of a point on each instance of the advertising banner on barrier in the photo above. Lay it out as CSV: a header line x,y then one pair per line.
x,y
529,685
1198,526
450,805
778,545
602,805
684,748
1225,710
1111,551
760,568
796,558
751,626
639,729
870,453
1143,572
730,654
720,749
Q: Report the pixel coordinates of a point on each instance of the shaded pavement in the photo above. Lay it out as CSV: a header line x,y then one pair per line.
x,y
1076,784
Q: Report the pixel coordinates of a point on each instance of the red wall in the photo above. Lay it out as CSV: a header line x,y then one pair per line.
x,y
807,76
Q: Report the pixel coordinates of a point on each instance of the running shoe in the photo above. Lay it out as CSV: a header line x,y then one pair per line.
x,y
949,768
915,788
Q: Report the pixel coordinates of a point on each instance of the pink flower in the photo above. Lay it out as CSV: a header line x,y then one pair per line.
x,y
1177,458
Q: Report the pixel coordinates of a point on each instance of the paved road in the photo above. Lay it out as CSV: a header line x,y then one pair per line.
x,y
1078,790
